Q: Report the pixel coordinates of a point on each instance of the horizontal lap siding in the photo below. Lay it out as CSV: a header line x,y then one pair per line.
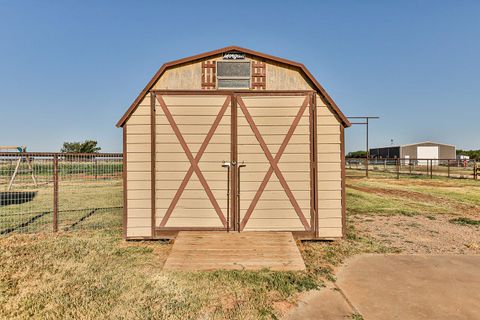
x,y
273,116
329,172
138,168
194,116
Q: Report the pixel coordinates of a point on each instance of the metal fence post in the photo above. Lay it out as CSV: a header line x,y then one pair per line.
x,y
475,170
431,168
398,168
448,168
95,168
366,165
55,193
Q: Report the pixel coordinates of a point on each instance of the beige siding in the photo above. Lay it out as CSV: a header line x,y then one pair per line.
x,y
273,117
138,172
329,172
194,116
186,77
281,77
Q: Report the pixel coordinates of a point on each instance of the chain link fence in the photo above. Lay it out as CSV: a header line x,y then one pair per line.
x,y
43,192
396,167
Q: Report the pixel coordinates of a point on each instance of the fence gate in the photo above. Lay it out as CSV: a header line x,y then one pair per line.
x,y
44,192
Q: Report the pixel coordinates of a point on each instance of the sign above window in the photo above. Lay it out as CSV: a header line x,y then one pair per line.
x,y
233,55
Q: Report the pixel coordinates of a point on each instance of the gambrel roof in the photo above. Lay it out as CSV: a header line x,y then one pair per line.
x,y
327,99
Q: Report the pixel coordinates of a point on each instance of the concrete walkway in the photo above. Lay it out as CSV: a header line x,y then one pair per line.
x,y
401,287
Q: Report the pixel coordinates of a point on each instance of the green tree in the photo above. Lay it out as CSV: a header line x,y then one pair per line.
x,y
357,154
87,146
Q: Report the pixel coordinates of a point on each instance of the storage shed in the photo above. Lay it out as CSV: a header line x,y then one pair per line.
x,y
233,140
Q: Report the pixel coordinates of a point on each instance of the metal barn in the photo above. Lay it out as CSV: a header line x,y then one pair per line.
x,y
233,140
421,150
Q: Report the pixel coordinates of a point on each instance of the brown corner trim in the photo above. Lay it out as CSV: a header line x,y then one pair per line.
x,y
153,160
344,202
315,164
124,176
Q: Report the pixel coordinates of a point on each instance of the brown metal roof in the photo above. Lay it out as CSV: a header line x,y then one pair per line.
x,y
300,66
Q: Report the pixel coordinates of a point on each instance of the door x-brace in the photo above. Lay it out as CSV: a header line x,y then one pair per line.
x,y
193,160
274,163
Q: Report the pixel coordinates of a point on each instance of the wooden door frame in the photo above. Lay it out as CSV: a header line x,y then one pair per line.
x,y
233,94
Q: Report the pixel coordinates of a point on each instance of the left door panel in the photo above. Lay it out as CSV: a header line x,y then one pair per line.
x,y
192,140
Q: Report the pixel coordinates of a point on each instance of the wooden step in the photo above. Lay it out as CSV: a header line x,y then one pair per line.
x,y
215,250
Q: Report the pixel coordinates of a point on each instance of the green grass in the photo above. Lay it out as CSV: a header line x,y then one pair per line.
x,y
414,196
97,274
359,202
465,221
91,273
77,198
464,191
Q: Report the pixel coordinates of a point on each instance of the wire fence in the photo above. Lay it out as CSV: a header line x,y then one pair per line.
x,y
397,168
41,192
44,192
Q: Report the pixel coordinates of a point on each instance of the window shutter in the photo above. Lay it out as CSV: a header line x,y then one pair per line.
x,y
208,75
259,74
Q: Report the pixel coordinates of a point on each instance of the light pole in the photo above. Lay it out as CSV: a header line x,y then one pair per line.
x,y
366,123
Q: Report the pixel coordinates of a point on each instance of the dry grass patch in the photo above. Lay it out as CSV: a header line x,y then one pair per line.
x,y
92,275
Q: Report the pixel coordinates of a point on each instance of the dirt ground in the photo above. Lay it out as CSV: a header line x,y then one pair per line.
x,y
421,234
417,216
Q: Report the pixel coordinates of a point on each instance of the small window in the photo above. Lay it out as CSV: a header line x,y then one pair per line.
x,y
233,75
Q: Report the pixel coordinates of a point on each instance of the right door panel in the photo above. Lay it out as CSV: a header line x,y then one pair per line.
x,y
275,144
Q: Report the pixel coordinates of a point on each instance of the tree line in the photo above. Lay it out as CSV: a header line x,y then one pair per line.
x,y
473,154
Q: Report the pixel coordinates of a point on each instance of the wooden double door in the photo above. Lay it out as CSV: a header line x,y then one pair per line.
x,y
234,160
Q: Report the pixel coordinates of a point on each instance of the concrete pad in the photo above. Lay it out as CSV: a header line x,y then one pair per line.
x,y
326,304
413,286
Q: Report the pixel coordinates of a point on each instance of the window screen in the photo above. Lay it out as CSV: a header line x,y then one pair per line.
x,y
234,83
233,74
233,69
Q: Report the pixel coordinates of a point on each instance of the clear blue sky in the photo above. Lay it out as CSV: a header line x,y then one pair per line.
x,y
69,69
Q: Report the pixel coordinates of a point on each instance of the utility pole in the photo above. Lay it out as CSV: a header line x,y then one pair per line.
x,y
366,123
